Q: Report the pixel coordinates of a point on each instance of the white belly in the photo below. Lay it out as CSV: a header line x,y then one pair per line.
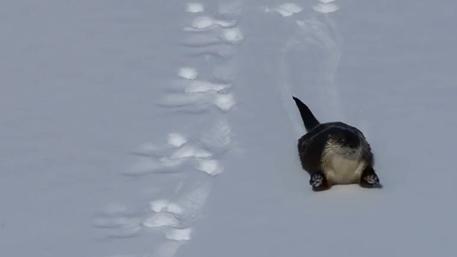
x,y
342,166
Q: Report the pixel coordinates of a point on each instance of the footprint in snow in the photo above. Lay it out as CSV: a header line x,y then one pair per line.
x,y
187,73
176,234
175,215
326,6
196,86
210,35
285,9
173,156
173,218
207,23
212,51
194,95
219,37
178,214
118,222
195,7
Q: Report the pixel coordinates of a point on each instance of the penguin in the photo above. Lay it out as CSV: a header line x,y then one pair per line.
x,y
334,153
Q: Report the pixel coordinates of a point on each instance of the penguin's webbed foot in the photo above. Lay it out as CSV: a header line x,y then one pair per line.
x,y
318,181
369,179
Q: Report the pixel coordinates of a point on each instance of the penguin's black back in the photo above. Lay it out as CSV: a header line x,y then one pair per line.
x,y
312,145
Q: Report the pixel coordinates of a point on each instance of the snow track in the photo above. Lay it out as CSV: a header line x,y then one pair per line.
x,y
315,38
163,128
191,162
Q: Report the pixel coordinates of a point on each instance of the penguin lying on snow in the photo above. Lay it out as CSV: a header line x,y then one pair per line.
x,y
334,153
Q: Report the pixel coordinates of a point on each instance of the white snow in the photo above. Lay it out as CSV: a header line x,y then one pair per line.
x,y
203,22
326,8
161,220
179,234
212,167
206,24
159,205
188,73
200,86
218,138
175,92
233,35
176,139
225,102
174,208
188,151
195,7
286,9
166,206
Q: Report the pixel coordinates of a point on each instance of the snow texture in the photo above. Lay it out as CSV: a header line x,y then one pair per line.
x,y
167,128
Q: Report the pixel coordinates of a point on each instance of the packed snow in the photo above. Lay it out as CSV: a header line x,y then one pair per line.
x,y
167,128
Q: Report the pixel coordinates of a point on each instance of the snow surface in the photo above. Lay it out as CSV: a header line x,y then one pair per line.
x,y
166,128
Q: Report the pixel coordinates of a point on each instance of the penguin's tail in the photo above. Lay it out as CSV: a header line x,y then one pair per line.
x,y
308,117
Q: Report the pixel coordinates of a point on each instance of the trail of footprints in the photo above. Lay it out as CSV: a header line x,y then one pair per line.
x,y
196,160
190,93
214,39
178,151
